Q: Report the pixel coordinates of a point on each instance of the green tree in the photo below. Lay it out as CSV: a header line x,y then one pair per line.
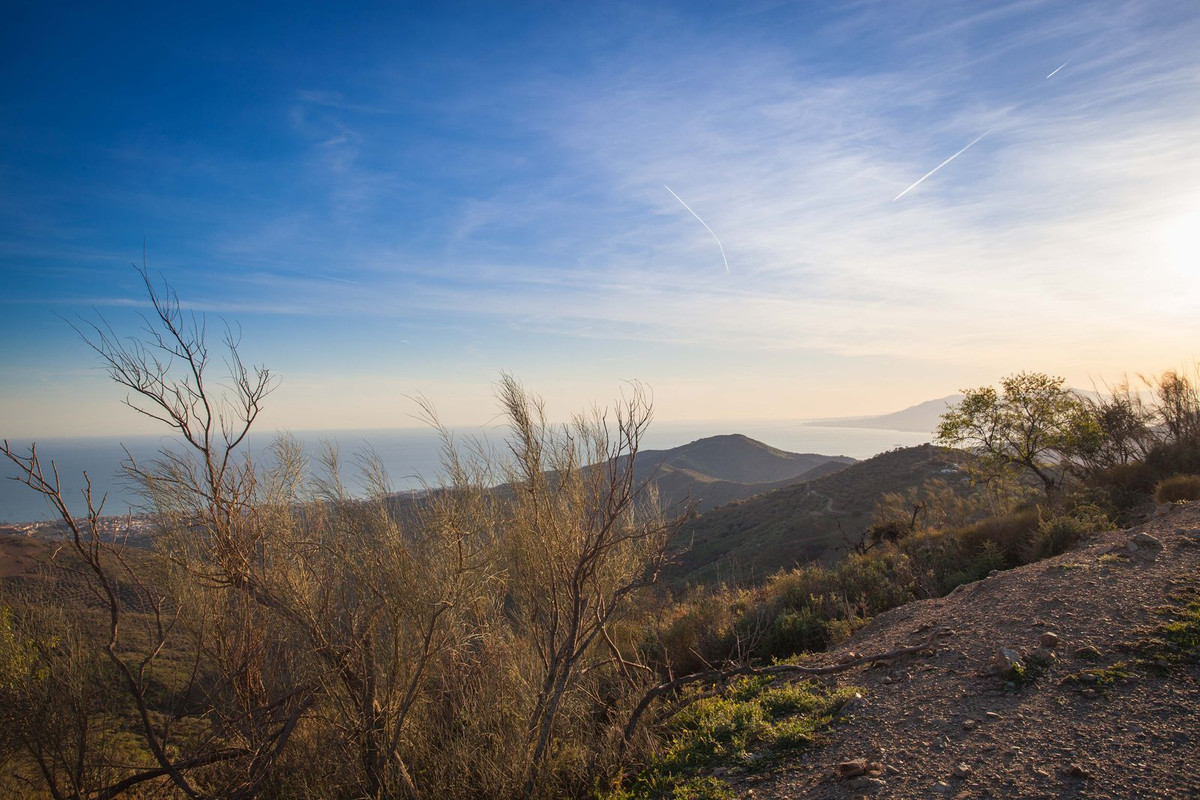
x,y
1032,423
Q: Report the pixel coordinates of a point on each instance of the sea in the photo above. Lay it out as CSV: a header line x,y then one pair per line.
x,y
412,457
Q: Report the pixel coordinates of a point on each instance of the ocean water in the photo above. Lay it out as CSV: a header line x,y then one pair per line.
x,y
412,457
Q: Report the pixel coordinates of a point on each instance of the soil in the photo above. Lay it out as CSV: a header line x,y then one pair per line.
x,y
949,724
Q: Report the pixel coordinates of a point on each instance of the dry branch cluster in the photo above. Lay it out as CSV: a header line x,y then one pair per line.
x,y
284,638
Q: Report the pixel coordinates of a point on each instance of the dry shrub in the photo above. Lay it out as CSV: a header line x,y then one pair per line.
x,y
1010,533
1178,488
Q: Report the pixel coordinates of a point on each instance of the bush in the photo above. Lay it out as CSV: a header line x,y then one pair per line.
x,y
1178,488
1010,533
1059,533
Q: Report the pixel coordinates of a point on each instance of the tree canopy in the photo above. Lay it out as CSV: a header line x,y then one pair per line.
x,y
1033,423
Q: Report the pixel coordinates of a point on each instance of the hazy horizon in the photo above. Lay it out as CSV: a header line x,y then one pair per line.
x,y
762,211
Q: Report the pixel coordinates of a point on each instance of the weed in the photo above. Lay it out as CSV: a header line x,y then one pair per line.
x,y
724,732
1102,679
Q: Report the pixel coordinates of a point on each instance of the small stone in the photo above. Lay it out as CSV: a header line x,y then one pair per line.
x,y
1089,692
851,769
1076,771
1142,540
853,704
1049,640
969,724
1005,660
963,770
941,787
991,715
1043,655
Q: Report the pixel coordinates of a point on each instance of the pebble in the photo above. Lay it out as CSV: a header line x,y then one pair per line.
x,y
1049,640
969,724
991,715
941,787
963,770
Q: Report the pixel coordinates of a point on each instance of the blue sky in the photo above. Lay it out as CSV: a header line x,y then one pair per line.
x,y
407,199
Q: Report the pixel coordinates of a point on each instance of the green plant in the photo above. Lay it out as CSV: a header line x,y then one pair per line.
x,y
1102,679
1034,424
752,714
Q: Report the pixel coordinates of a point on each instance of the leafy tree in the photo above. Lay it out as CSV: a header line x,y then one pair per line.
x,y
1033,423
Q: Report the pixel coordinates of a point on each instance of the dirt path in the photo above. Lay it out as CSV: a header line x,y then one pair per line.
x,y
947,726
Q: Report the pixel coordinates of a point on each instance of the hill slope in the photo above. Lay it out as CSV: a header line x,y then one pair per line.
x,y
721,469
737,458
1113,715
797,523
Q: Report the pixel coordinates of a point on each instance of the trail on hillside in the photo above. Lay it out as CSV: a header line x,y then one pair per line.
x,y
1099,720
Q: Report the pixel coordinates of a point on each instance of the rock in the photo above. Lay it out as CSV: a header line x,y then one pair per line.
x,y
1141,539
851,769
1088,653
1005,661
969,724
1042,655
848,657
991,715
1076,771
1049,640
853,704
963,770
941,787
1089,693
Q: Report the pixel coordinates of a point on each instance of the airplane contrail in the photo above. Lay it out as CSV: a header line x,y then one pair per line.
x,y
927,174
705,224
1052,74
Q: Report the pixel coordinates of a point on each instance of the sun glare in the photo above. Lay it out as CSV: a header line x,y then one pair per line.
x,y
1181,240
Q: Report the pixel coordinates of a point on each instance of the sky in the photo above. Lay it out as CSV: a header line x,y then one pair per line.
x,y
723,201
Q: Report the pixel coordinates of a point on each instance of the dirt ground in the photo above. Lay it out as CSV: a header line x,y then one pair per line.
x,y
1097,723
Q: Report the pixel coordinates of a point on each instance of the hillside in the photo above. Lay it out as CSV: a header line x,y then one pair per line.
x,y
721,469
1110,711
745,540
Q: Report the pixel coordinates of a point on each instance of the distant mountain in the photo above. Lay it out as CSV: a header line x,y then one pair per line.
x,y
921,418
734,457
721,469
749,539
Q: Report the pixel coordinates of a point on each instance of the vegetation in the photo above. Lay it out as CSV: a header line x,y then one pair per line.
x,y
739,730
1033,423
286,639
1178,488
502,635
